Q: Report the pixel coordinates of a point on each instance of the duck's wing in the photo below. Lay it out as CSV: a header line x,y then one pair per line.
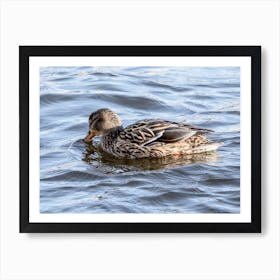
x,y
149,131
181,132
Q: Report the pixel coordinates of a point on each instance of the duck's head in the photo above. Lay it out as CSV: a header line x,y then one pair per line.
x,y
101,123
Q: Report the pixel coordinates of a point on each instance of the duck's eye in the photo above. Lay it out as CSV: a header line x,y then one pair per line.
x,y
98,124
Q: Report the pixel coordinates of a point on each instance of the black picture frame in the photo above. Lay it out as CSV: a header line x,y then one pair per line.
x,y
254,52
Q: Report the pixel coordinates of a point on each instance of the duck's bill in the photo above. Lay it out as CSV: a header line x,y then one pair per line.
x,y
89,136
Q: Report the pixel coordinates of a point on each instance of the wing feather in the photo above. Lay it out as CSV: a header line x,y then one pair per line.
x,y
146,132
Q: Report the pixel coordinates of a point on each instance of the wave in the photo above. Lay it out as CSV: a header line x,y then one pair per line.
x,y
79,178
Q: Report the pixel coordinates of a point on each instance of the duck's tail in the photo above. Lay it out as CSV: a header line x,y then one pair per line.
x,y
208,147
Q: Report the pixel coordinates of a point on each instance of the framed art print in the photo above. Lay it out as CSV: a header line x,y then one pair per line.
x,y
140,138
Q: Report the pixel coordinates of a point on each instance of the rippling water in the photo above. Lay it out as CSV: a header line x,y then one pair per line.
x,y
80,178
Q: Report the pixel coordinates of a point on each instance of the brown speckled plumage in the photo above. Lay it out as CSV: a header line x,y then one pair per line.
x,y
147,138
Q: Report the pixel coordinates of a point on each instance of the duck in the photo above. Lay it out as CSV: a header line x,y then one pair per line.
x,y
148,138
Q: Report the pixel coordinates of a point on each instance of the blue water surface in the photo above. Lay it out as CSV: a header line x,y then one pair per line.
x,y
80,178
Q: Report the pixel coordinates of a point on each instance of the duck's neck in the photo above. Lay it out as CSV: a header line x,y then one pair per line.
x,y
114,132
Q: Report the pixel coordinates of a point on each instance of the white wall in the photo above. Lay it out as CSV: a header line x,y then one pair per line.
x,y
135,256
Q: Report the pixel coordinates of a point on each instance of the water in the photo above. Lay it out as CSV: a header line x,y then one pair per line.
x,y
79,178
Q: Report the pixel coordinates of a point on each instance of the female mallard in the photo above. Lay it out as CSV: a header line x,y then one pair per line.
x,y
147,138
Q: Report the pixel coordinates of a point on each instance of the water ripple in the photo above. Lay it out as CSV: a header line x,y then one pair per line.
x,y
80,178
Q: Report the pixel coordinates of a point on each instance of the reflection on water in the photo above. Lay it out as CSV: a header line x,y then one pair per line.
x,y
80,178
